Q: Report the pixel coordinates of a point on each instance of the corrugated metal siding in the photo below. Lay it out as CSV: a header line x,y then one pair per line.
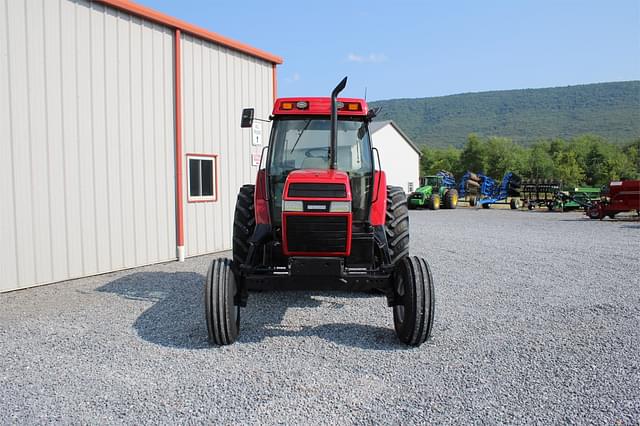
x,y
87,172
217,84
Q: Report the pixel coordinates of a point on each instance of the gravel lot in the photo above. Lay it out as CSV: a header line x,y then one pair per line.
x,y
537,320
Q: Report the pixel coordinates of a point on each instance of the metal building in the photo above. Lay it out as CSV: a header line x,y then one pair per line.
x,y
121,143
400,156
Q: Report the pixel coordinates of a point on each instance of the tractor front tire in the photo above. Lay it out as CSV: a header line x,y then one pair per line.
x,y
222,313
514,204
244,223
397,224
451,199
414,307
472,201
434,202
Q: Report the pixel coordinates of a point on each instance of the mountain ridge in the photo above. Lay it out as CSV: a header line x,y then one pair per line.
x,y
610,110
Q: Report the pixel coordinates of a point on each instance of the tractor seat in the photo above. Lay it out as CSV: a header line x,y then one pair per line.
x,y
315,163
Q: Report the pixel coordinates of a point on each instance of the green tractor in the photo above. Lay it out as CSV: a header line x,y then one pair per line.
x,y
434,192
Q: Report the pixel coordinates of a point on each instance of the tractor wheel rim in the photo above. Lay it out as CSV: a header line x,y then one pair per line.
x,y
400,286
455,199
400,292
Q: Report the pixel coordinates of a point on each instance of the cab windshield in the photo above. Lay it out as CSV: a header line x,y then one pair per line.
x,y
432,181
303,143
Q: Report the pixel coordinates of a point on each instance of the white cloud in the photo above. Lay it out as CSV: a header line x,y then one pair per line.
x,y
293,77
371,57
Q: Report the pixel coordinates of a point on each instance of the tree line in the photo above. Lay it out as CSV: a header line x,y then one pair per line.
x,y
583,160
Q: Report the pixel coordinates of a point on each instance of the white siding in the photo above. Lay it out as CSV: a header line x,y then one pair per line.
x,y
217,83
400,161
87,172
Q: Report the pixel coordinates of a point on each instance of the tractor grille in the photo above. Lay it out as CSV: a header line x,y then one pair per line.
x,y
317,190
319,234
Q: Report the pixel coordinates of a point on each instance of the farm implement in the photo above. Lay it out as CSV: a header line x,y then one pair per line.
x,y
507,192
576,198
469,188
540,193
619,197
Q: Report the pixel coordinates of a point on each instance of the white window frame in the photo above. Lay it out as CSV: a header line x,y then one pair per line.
x,y
214,182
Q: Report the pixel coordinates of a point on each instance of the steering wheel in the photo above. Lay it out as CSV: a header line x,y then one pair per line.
x,y
322,152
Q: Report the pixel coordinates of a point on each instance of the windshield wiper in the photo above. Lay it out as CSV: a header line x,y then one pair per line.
x,y
300,135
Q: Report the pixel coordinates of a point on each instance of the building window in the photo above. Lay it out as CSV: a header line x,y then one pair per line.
x,y
410,186
203,184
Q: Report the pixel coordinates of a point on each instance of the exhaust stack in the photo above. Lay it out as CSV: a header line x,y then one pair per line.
x,y
333,150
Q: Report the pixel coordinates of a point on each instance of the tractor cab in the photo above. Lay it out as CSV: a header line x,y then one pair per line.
x,y
299,144
320,216
433,181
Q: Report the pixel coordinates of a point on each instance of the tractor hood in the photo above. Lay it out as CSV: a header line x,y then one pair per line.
x,y
335,182
427,189
316,213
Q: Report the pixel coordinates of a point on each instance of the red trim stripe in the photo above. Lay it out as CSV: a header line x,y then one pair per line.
x,y
275,83
178,118
161,18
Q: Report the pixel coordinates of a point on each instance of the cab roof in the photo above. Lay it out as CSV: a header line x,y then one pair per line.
x,y
319,106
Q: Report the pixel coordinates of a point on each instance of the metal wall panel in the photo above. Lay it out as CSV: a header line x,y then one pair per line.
x,y
87,173
217,83
400,161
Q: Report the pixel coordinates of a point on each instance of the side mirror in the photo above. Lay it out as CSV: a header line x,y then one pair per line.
x,y
247,117
373,113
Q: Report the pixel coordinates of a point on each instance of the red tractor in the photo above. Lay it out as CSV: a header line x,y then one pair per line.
x,y
320,217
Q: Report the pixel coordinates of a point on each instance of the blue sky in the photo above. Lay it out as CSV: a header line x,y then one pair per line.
x,y
413,48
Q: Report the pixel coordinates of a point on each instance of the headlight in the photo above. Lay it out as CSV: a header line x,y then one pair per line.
x,y
292,206
340,207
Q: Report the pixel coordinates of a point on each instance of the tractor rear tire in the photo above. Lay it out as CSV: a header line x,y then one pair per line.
x,y
451,199
415,301
244,223
397,224
434,202
222,313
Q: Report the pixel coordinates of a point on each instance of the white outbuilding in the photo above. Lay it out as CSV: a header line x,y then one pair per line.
x,y
400,157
